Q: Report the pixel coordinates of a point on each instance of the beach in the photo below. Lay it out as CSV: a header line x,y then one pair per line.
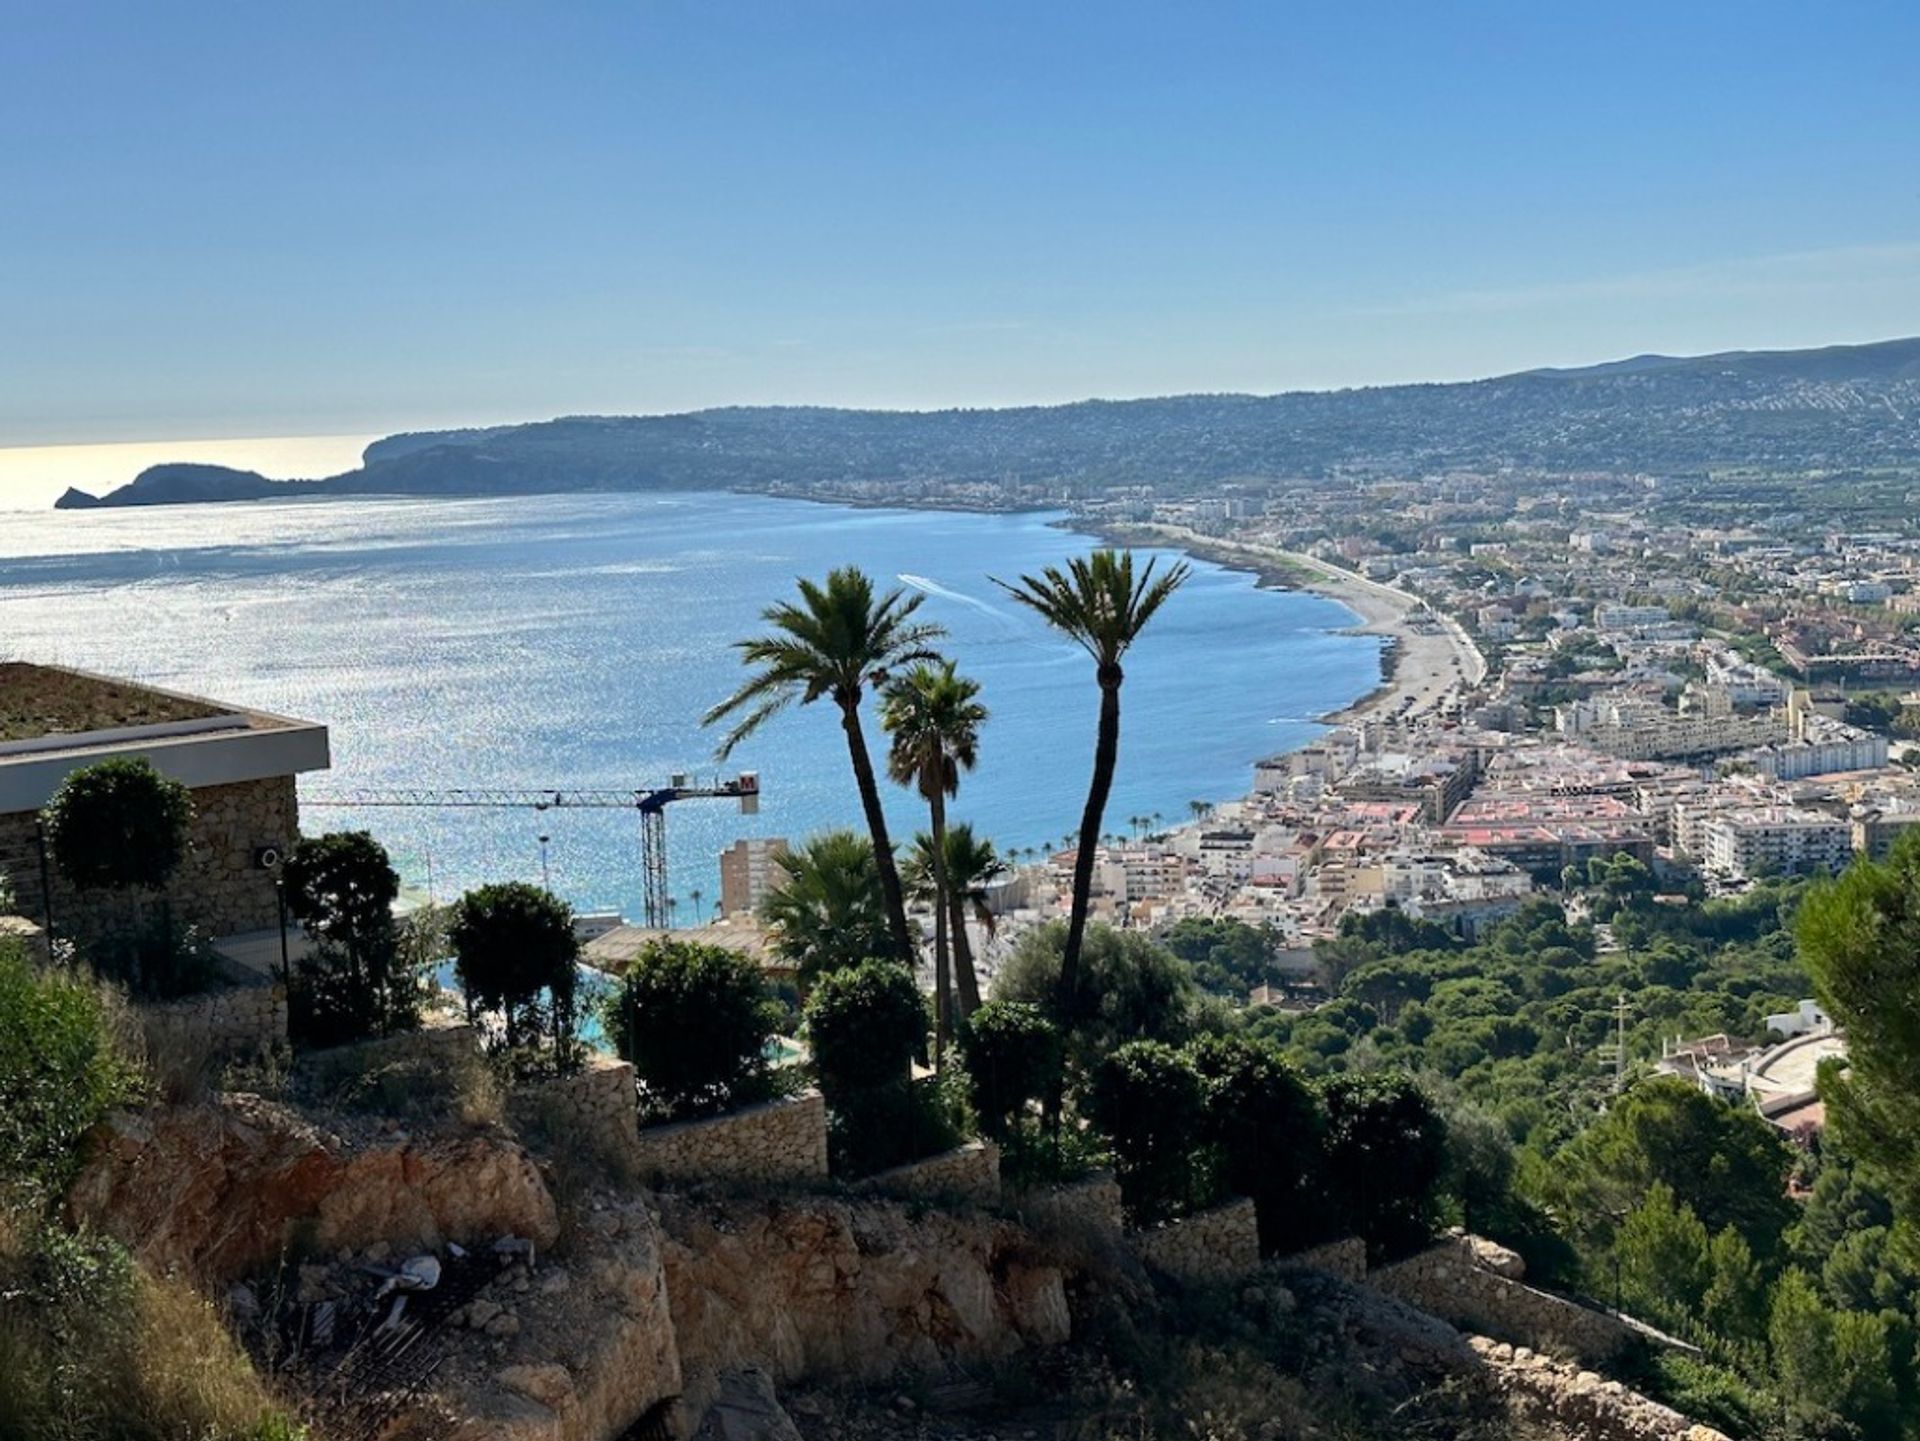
x,y
1431,661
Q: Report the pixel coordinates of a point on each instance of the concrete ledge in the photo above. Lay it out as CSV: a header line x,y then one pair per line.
x,y
784,1140
966,1173
1214,1245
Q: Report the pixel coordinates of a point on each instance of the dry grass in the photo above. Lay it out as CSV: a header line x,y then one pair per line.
x,y
93,1348
38,700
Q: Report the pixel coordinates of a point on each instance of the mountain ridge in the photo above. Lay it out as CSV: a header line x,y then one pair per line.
x,y
1780,412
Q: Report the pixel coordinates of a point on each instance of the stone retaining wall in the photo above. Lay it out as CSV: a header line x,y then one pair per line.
x,y
784,1140
596,1106
967,1173
1093,1201
1214,1245
235,1020
1345,1258
1445,1282
1579,1403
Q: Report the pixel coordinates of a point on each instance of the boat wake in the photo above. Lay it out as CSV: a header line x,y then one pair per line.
x,y
921,583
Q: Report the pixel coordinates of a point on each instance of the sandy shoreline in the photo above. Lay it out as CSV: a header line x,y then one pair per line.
x,y
1429,664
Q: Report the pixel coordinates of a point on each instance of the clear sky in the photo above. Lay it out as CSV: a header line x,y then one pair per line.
x,y
289,218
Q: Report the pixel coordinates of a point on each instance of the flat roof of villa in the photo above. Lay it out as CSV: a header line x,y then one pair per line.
x,y
54,719
45,700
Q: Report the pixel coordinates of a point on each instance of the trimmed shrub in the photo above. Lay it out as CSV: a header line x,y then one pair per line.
x,y
514,952
341,888
1013,1059
1386,1152
118,825
866,1027
59,1074
1149,1101
1265,1124
121,826
695,1021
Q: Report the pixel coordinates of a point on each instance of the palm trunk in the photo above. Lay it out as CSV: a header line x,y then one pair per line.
x,y
966,981
942,983
1106,754
877,827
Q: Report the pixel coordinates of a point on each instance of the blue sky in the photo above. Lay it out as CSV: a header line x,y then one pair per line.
x,y
278,218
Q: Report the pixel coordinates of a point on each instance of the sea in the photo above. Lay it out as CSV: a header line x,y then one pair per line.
x,y
573,642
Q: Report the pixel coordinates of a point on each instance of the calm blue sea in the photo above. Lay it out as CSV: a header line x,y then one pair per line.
x,y
573,641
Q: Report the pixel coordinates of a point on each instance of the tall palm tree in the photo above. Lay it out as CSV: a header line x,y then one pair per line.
x,y
831,645
1103,606
972,866
934,719
826,913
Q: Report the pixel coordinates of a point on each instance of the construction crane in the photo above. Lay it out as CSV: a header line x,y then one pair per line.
x,y
651,803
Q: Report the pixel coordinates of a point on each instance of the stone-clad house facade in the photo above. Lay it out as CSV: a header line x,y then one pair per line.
x,y
239,765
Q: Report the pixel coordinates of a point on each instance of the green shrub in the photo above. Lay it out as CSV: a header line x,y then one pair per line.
x,y
341,888
1386,1151
118,825
1013,1058
866,1026
515,952
1149,1101
121,826
60,1072
1265,1124
695,1021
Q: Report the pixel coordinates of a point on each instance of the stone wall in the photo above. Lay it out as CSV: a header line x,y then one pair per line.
x,y
1214,1245
239,1019
1573,1402
1345,1258
595,1107
1090,1203
1445,1281
783,1140
218,888
967,1173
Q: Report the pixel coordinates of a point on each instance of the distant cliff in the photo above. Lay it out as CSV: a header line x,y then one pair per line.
x,y
179,483
1781,413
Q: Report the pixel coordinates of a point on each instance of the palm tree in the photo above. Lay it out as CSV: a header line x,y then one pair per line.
x,y
935,721
827,912
696,895
832,644
1100,603
972,866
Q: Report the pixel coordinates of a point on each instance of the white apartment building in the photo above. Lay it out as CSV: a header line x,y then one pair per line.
x,y
1773,840
1614,616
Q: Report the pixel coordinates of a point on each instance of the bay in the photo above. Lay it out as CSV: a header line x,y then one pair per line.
x,y
573,641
